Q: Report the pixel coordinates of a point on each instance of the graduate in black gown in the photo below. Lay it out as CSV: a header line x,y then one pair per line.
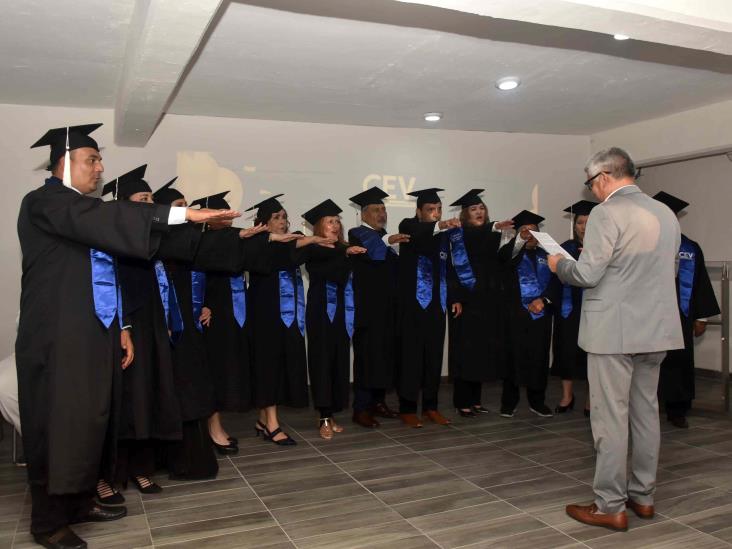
x,y
475,348
423,303
570,361
525,288
375,295
220,271
329,315
69,350
277,310
697,302
150,404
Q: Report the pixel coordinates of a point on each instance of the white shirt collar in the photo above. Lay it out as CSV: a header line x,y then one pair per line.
x,y
616,190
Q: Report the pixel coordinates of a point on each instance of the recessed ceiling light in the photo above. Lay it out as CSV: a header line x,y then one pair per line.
x,y
432,116
508,83
621,36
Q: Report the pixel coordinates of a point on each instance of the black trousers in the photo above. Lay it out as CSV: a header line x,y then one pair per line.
x,y
135,458
51,512
511,395
466,393
429,402
365,399
677,409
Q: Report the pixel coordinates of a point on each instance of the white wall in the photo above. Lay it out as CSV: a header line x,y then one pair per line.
x,y
308,162
707,185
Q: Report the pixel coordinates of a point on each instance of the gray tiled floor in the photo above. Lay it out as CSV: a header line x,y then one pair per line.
x,y
485,482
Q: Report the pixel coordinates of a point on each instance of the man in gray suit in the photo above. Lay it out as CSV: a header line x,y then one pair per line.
x,y
629,320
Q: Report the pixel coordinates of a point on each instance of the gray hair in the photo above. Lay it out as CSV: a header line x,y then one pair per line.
x,y
614,160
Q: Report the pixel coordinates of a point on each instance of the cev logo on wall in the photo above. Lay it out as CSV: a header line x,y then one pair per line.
x,y
396,185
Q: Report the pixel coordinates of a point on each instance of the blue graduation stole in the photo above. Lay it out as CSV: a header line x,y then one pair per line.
x,y
331,302
239,298
533,280
373,242
198,292
687,268
173,318
105,291
566,310
424,277
460,259
292,298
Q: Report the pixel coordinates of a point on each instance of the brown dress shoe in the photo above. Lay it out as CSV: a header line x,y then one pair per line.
x,y
436,417
643,511
411,420
589,514
382,410
365,419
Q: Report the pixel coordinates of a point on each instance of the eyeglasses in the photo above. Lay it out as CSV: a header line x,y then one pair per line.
x,y
588,183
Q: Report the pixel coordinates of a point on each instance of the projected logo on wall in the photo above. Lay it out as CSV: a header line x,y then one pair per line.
x,y
398,187
199,174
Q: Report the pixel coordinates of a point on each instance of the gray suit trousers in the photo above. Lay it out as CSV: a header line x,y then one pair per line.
x,y
622,390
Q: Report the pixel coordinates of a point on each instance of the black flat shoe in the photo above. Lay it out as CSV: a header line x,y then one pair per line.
x,y
234,441
564,409
63,538
259,429
146,486
102,513
465,413
107,495
287,441
226,449
480,410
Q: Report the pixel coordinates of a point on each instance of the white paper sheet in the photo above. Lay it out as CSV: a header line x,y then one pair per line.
x,y
550,245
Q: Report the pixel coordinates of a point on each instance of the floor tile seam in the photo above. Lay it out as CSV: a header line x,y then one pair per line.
x,y
714,452
570,541
710,535
193,506
188,540
271,514
375,495
17,523
147,521
196,521
312,537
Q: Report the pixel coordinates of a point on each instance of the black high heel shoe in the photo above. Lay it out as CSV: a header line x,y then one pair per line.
x,y
563,409
287,441
259,429
465,413
146,486
234,441
226,449
107,495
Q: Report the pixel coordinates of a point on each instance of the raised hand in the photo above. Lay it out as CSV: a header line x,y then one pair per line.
x,y
354,250
285,237
453,223
323,241
251,231
504,225
398,238
205,215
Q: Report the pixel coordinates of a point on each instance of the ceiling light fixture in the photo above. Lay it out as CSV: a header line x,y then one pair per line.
x,y
432,116
621,36
508,83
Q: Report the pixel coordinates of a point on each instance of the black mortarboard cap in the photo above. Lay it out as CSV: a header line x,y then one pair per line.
x,y
128,184
267,207
583,207
214,201
325,208
526,218
166,195
56,139
427,196
676,204
470,198
373,195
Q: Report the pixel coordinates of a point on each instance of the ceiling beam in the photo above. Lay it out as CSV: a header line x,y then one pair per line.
x,y
705,26
164,35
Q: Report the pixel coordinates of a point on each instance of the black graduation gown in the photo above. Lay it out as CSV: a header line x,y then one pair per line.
x,y
68,363
569,361
150,404
279,372
375,334
677,369
474,346
328,342
528,339
228,345
422,330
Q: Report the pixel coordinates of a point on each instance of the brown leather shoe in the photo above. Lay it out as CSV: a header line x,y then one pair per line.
x,y
643,511
588,514
365,419
411,420
382,410
435,417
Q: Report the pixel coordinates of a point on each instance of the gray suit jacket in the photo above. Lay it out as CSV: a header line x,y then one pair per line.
x,y
628,265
